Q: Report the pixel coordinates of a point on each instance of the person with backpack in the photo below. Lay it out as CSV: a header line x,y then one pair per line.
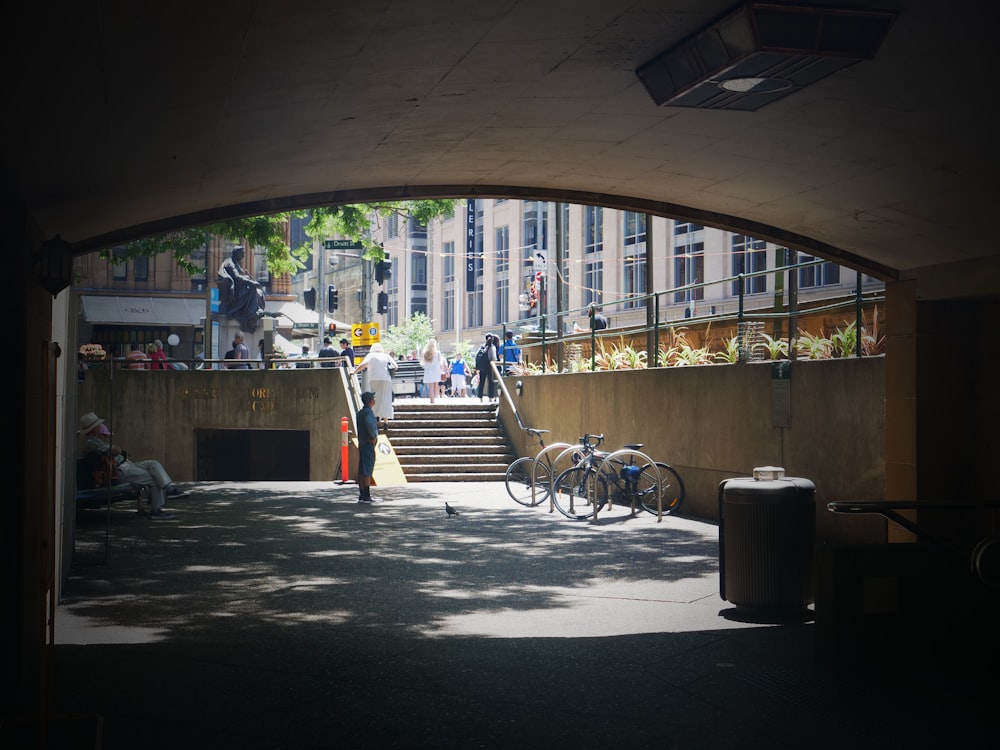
x,y
510,352
487,353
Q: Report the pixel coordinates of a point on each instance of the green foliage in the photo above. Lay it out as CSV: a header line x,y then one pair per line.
x,y
844,342
408,336
730,352
269,232
813,347
776,348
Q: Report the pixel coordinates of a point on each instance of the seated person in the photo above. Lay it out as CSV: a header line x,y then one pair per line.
x,y
149,473
240,295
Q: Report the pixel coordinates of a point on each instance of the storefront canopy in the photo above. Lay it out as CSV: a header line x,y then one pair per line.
x,y
177,311
143,311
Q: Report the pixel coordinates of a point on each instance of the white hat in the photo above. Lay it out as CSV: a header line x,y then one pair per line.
x,y
89,421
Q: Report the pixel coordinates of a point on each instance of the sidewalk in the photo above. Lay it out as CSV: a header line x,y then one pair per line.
x,y
271,615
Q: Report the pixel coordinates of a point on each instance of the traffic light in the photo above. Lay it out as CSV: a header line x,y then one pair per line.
x,y
379,271
383,302
309,297
331,328
331,298
387,267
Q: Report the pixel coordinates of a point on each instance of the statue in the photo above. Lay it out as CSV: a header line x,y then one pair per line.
x,y
240,295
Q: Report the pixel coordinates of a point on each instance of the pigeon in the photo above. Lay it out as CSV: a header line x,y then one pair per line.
x,y
449,510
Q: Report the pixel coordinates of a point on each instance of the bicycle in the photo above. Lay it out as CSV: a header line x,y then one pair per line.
x,y
602,479
529,479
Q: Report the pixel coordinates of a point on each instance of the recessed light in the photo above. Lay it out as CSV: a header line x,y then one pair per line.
x,y
755,85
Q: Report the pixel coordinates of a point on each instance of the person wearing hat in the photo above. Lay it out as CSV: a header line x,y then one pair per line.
x,y
367,439
327,352
149,473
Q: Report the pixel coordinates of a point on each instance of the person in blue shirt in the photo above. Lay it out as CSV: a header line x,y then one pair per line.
x,y
510,353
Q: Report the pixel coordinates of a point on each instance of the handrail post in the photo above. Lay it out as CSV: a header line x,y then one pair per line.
x,y
857,317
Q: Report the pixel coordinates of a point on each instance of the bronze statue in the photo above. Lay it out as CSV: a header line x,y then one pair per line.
x,y
240,295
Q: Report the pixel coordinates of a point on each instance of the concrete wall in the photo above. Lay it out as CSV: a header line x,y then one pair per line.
x,y
822,420
825,421
155,414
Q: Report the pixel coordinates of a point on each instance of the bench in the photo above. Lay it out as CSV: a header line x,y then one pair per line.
x,y
98,497
407,377
91,490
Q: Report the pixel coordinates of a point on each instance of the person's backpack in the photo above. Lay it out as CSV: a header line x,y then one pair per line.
x,y
482,358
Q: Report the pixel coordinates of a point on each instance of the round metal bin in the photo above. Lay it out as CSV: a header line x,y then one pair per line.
x,y
767,542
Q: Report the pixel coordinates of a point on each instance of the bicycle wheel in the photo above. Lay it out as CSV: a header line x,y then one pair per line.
x,y
671,489
572,492
518,480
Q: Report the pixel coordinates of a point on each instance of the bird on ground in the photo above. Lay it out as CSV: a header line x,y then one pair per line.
x,y
449,510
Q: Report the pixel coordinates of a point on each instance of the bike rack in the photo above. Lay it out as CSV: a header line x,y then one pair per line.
x,y
534,467
614,456
567,451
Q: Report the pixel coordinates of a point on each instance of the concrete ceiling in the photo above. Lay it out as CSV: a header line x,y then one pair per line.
x,y
130,118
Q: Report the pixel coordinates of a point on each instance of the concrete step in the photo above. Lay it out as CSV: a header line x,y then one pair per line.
x,y
443,434
491,459
478,477
493,447
424,467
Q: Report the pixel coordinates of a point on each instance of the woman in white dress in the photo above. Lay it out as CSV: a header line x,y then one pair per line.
x,y
379,366
434,365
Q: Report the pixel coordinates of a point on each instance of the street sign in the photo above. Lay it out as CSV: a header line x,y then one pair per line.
x,y
365,334
341,245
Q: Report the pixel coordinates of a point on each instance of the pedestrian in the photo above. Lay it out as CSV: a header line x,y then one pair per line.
x,y
598,321
304,362
435,366
327,352
487,353
379,366
148,473
459,372
158,357
136,359
240,352
367,440
510,352
347,352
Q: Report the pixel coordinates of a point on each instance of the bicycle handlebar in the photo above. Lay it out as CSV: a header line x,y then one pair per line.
x,y
598,439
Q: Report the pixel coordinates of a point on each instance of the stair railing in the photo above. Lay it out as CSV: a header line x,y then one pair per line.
x,y
505,394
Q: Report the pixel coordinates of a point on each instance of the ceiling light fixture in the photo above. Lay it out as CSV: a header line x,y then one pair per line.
x,y
761,52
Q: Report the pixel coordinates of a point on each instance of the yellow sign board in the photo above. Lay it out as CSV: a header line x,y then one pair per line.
x,y
365,334
388,472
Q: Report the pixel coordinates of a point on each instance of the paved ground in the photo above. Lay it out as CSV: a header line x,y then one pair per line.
x,y
286,616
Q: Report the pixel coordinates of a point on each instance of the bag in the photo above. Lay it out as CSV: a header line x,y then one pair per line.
x,y
482,358
95,470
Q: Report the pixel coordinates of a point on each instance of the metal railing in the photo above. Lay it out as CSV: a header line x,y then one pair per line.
x,y
549,337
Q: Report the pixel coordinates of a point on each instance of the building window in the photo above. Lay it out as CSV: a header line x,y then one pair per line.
x,y
392,225
418,269
474,311
535,228
502,240
825,274
119,264
200,258
683,227
689,268
448,253
593,282
749,256
448,315
140,267
634,270
593,230
501,301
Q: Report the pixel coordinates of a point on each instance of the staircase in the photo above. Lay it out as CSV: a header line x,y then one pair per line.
x,y
449,441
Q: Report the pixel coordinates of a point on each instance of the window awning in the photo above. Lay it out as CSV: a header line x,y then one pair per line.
x,y
179,311
297,316
137,311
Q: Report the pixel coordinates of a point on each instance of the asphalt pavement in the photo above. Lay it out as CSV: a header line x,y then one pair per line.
x,y
286,616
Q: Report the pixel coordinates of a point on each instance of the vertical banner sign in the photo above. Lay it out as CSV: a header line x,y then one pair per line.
x,y
470,244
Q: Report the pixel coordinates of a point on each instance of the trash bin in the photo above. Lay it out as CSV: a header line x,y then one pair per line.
x,y
767,542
